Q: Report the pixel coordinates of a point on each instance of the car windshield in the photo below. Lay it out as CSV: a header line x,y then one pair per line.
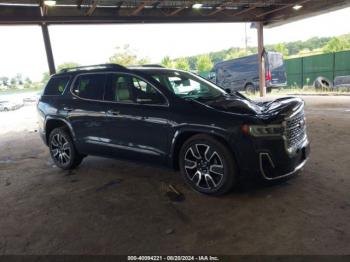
x,y
187,85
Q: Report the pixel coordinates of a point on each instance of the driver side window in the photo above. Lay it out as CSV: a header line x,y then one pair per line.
x,y
186,86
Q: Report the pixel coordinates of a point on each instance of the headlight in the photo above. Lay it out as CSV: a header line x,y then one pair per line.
x,y
261,130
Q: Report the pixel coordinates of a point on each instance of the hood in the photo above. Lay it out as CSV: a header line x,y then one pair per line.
x,y
272,110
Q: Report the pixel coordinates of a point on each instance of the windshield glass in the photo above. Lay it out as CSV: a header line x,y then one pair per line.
x,y
187,85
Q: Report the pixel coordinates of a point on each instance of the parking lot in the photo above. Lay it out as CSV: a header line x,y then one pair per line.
x,y
116,207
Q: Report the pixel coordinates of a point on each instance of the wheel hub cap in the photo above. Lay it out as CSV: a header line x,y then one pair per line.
x,y
204,166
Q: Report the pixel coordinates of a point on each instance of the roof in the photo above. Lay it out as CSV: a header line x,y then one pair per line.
x,y
109,68
271,12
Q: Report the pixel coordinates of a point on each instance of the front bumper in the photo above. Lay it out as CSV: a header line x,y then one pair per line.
x,y
271,168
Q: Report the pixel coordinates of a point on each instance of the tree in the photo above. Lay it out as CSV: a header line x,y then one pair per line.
x,y
45,78
19,79
13,82
27,82
182,63
126,57
304,52
204,63
336,44
4,81
66,65
166,62
281,48
143,61
236,53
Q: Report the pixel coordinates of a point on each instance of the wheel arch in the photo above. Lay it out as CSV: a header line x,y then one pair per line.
x,y
51,123
249,83
181,136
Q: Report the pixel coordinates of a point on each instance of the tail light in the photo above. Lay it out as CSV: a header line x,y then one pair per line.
x,y
268,75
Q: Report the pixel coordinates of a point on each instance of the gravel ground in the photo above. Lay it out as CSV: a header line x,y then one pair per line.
x,y
116,207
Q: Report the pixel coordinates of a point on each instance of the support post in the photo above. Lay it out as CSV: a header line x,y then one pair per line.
x,y
262,84
48,49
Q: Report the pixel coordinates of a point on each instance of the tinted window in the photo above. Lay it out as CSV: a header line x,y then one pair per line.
x,y
275,60
90,86
184,84
56,85
131,89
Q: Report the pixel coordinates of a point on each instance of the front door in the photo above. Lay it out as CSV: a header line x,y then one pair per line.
x,y
137,117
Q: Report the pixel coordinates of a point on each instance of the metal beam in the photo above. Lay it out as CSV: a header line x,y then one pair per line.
x,y
177,10
119,5
262,84
48,49
141,6
244,10
92,8
70,14
219,8
282,8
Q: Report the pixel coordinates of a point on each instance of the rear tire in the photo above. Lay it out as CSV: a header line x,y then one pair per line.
x,y
207,165
62,149
250,89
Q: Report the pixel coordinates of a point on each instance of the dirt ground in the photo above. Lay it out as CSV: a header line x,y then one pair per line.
x,y
117,207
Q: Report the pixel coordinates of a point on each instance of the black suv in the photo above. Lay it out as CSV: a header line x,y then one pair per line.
x,y
172,117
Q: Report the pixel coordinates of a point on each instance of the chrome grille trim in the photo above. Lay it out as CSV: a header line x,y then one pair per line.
x,y
295,130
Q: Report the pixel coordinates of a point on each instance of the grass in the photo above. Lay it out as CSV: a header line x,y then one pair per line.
x,y
19,91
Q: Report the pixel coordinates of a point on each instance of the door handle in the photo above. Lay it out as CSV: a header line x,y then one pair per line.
x,y
68,109
113,112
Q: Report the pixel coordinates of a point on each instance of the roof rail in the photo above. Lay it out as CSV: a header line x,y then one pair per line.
x,y
90,67
153,65
148,65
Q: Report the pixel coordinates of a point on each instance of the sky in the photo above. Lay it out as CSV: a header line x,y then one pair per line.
x,y
22,48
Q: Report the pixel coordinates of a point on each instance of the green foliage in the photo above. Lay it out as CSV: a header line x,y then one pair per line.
x,y
45,78
126,57
19,79
182,63
13,82
236,53
281,48
204,63
166,62
27,83
311,46
4,80
337,44
66,65
143,61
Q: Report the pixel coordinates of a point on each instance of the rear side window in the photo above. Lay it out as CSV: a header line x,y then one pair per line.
x,y
275,61
90,86
56,86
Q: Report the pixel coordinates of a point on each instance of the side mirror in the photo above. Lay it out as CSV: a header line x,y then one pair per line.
x,y
228,90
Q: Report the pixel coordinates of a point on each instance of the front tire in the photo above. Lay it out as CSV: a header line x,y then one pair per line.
x,y
62,149
207,165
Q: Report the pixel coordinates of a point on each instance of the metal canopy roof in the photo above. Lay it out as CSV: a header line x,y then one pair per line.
x,y
270,12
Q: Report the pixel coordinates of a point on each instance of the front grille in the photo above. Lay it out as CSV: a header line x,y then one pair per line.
x,y
295,132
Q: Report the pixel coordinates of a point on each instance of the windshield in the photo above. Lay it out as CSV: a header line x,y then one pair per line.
x,y
187,85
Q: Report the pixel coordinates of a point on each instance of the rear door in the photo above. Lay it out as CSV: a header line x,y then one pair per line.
x,y
86,112
277,69
137,118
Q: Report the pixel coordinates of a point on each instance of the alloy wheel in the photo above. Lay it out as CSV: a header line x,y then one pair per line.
x,y
204,166
60,149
